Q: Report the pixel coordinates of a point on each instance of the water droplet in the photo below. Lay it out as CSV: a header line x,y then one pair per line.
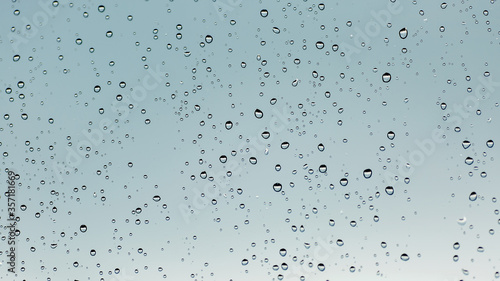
x,y
264,13
403,33
265,135
321,267
456,246
389,190
469,160
156,198
277,187
101,8
335,47
443,106
253,160
258,113
321,147
209,39
283,252
223,158
444,5
405,257
391,135
473,196
466,144
229,125
462,221
83,228
322,168
490,143
320,45
386,77
244,262
276,30
343,182
367,173
285,145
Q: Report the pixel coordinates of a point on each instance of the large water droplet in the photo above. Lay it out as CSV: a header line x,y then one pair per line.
x,y
283,252
389,190
83,228
367,173
258,113
277,187
469,160
264,13
386,77
343,182
403,33
285,145
322,168
473,196
321,267
229,125
490,143
405,257
466,144
391,135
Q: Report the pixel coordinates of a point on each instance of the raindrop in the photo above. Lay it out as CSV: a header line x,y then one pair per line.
x,y
469,160
283,252
285,145
403,33
320,45
367,173
321,267
258,113
223,158
83,228
229,125
264,13
253,160
321,147
466,144
389,190
277,187
343,182
405,257
490,143
209,39
473,196
322,168
391,135
386,77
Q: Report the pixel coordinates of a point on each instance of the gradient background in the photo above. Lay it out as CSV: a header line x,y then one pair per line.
x,y
79,163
